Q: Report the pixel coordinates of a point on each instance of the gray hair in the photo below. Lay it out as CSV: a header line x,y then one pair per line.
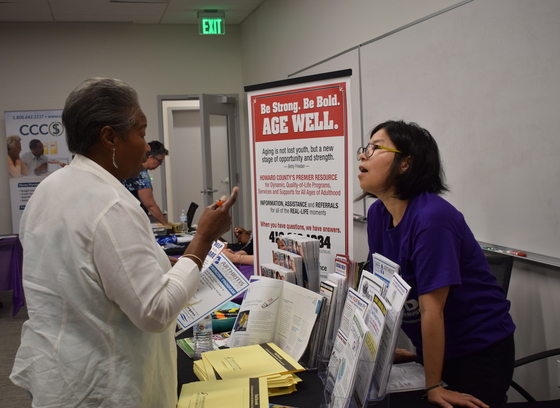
x,y
13,141
94,104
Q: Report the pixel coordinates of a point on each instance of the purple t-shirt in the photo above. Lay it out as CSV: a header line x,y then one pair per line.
x,y
435,248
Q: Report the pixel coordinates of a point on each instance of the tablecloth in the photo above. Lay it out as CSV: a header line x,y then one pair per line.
x,y
11,262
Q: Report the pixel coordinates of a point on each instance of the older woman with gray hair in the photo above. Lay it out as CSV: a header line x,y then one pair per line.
x,y
101,294
16,167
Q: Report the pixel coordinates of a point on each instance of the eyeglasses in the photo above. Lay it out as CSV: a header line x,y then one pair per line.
x,y
159,160
370,148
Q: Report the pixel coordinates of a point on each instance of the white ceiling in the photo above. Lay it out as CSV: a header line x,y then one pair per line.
x,y
130,11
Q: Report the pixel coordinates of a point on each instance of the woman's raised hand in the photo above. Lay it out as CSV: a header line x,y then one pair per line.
x,y
216,218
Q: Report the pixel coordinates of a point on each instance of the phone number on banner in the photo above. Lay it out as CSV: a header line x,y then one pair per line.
x,y
324,241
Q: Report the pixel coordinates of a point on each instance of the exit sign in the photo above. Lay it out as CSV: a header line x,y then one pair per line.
x,y
211,23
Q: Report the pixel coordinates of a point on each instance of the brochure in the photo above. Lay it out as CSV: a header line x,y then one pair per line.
x,y
276,311
397,293
219,283
354,302
375,321
308,249
274,271
384,267
371,284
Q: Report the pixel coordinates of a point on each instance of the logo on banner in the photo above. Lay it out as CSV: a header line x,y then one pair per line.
x,y
54,129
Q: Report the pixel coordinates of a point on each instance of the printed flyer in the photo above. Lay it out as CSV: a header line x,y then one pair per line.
x,y
301,158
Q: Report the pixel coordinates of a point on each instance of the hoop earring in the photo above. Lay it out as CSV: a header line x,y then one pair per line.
x,y
114,162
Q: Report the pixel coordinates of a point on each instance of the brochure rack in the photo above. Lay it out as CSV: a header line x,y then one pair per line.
x,y
338,402
356,372
323,360
332,401
375,397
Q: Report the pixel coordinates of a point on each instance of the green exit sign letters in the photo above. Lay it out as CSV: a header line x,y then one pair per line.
x,y
211,23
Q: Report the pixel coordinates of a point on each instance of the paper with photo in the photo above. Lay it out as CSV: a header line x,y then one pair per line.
x,y
276,311
219,283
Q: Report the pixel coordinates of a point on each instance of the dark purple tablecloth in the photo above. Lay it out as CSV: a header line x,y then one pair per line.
x,y
247,271
11,262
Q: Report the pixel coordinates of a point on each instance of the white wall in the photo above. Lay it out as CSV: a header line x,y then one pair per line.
x,y
284,36
43,62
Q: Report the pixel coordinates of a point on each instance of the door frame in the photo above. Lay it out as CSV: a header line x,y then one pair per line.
x,y
165,127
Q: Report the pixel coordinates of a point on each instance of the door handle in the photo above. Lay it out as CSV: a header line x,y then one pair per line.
x,y
209,191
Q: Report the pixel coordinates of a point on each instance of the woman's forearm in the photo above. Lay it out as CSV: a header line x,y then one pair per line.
x,y
433,343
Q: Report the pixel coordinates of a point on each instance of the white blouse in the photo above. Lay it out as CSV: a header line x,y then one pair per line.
x,y
101,294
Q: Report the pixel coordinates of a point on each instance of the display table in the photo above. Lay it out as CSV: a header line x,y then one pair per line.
x,y
309,392
11,262
308,395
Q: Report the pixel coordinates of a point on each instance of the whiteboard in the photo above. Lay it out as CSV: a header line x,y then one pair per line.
x,y
347,60
484,79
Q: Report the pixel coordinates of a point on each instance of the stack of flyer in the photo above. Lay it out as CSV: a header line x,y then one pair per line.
x,y
308,249
266,360
337,283
345,266
330,292
287,260
274,271
299,254
362,355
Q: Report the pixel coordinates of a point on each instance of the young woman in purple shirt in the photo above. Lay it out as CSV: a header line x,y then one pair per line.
x,y
457,316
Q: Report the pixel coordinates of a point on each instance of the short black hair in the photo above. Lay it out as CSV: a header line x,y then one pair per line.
x,y
94,104
33,144
425,173
157,149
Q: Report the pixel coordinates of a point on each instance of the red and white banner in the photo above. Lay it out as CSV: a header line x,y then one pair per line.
x,y
301,177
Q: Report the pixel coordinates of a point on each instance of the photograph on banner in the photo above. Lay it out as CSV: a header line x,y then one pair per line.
x,y
37,147
301,181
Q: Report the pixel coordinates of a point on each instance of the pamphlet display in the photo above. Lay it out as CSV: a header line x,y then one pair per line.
x,y
371,321
348,363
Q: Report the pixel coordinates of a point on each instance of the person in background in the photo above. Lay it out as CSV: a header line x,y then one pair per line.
x,y
34,159
141,186
457,316
243,236
244,255
101,294
16,167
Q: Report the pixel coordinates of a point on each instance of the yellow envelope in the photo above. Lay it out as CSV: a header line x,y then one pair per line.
x,y
238,393
251,361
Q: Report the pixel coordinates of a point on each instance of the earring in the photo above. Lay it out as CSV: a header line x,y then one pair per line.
x,y
114,162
